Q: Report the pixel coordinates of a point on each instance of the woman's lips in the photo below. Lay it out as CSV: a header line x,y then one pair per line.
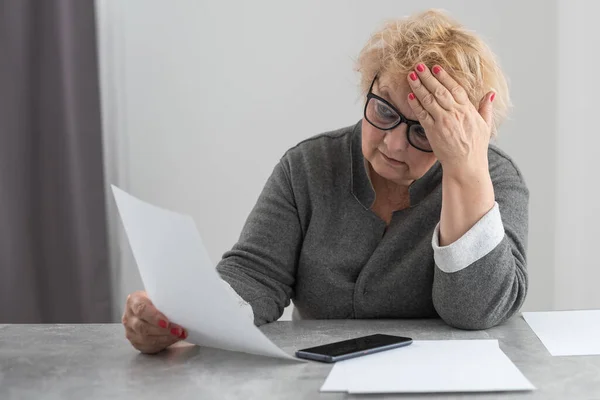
x,y
392,161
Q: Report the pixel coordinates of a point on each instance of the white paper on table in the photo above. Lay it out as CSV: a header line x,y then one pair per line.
x,y
567,333
336,380
432,366
183,283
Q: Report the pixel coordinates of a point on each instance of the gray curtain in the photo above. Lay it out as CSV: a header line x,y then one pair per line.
x,y
53,245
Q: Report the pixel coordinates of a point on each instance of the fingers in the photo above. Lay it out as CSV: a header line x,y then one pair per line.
x,y
457,92
142,307
145,336
426,99
432,94
143,328
422,115
150,344
148,329
486,109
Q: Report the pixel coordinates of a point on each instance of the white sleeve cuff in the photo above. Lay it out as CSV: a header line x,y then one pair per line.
x,y
476,243
247,308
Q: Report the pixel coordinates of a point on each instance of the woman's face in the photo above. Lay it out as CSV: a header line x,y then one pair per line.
x,y
390,154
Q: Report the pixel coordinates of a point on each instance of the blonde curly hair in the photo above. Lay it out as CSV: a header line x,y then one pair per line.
x,y
432,37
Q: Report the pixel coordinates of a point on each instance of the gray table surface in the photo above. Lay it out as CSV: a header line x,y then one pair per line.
x,y
97,362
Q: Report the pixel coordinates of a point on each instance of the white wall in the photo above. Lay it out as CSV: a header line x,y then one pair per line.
x,y
578,189
201,99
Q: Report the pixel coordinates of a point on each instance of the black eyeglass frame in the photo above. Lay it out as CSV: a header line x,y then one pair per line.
x,y
403,119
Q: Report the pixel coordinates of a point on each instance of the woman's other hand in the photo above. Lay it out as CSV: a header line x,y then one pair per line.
x,y
146,328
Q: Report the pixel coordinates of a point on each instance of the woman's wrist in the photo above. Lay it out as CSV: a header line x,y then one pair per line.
x,y
467,172
469,185
467,195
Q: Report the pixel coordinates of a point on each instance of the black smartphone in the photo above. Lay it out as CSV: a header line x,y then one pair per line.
x,y
351,348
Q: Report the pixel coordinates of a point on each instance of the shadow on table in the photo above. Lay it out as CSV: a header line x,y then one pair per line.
x,y
184,354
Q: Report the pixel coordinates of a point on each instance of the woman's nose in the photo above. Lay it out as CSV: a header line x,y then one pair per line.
x,y
396,140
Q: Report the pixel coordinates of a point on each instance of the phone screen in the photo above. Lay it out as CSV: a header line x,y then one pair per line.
x,y
356,345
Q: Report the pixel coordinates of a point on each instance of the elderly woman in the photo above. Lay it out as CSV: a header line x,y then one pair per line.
x,y
409,213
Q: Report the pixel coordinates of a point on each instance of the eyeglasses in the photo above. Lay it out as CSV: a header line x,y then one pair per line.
x,y
383,115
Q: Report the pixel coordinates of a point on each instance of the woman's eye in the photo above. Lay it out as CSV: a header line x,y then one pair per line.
x,y
419,131
385,112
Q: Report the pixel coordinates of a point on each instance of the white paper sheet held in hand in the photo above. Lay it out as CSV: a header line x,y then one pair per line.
x,y
183,283
567,333
428,367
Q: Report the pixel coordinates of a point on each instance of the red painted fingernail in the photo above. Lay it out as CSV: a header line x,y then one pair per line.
x,y
175,331
183,334
411,96
436,70
413,76
420,68
493,96
162,323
